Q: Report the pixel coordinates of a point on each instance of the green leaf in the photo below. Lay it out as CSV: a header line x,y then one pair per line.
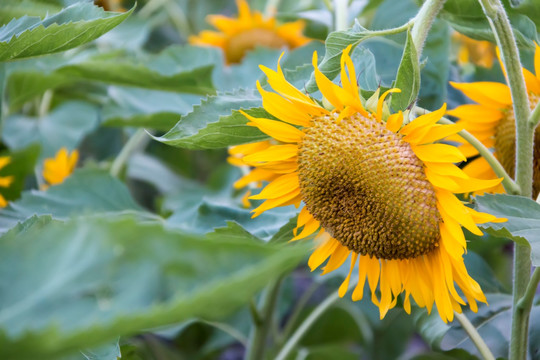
x,y
160,110
523,225
15,9
216,122
71,27
184,69
408,77
90,280
178,69
60,128
335,43
85,191
468,18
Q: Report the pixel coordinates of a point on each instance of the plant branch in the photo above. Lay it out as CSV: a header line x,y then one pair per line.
x,y
340,7
136,141
306,325
509,185
423,21
475,336
534,119
502,29
261,326
525,303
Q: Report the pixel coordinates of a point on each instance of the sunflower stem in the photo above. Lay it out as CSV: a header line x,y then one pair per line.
x,y
423,21
509,185
525,303
475,336
502,29
135,142
271,8
295,314
341,7
260,328
534,119
306,325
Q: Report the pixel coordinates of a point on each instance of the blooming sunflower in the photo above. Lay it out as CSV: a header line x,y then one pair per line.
x,y
237,36
57,169
477,52
377,191
5,181
492,122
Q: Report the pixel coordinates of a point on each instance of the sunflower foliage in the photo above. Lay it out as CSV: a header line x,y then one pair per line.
x,y
176,175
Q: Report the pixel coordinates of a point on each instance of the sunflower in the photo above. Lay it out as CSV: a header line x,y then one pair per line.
x,y
492,122
374,190
481,53
237,36
57,169
5,181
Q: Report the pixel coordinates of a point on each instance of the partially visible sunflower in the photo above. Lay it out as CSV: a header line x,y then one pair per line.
x,y
375,190
57,169
236,36
481,53
5,181
492,122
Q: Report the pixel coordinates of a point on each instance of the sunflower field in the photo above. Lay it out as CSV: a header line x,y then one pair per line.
x,y
266,179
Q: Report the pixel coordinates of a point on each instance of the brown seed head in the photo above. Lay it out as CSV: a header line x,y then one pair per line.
x,y
505,144
367,188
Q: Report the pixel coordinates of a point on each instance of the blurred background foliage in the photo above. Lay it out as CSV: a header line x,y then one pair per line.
x,y
158,258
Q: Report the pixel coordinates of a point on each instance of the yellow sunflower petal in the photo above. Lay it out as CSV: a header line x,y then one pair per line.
x,y
491,94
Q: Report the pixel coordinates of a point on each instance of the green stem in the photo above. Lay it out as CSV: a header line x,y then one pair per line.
x,y
509,185
228,329
475,336
423,21
306,325
502,29
341,7
534,119
261,327
135,142
45,103
271,8
525,303
295,314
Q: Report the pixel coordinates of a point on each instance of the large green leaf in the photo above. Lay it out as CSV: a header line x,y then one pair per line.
x,y
71,27
523,223
15,9
216,122
64,126
408,77
184,69
90,280
160,110
468,18
85,191
22,165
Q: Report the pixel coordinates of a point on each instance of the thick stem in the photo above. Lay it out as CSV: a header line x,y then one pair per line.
x,y
423,21
135,142
341,14
475,336
271,7
500,25
306,325
525,303
509,185
534,119
259,332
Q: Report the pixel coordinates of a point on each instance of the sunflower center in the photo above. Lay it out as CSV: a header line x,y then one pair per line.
x,y
239,44
367,188
505,144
